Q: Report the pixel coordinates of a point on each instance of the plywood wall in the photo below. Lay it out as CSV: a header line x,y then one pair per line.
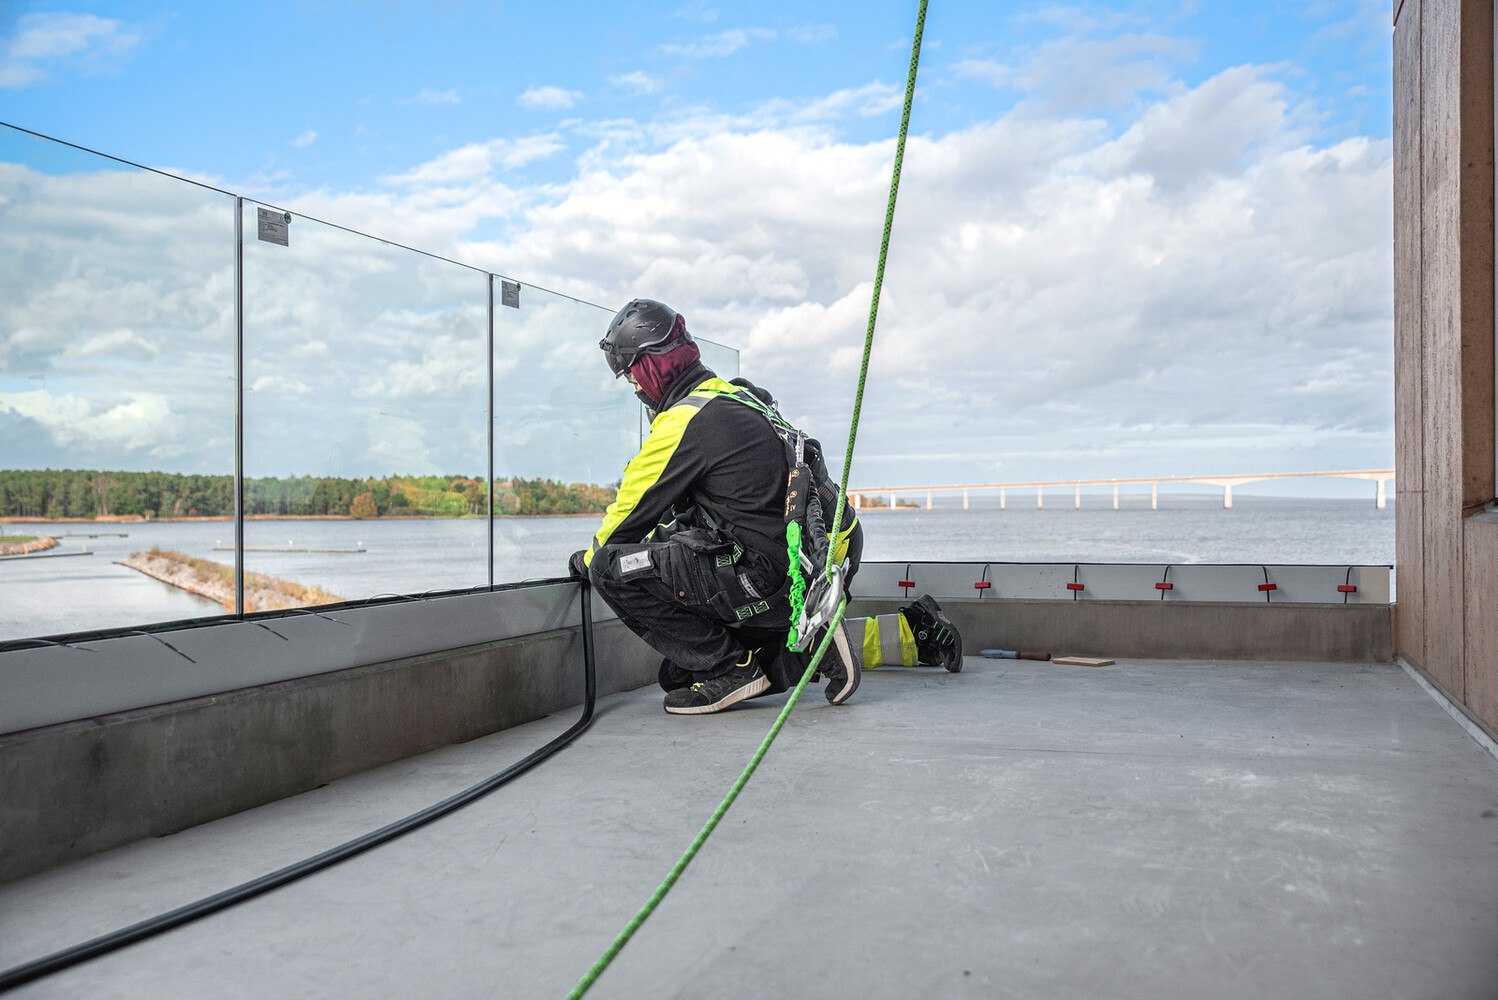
x,y
1443,344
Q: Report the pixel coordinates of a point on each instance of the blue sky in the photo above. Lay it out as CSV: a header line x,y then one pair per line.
x,y
1144,238
307,94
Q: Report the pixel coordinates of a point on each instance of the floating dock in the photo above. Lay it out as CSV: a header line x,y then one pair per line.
x,y
285,548
49,555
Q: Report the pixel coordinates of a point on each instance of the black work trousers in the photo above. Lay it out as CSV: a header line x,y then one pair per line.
x,y
696,597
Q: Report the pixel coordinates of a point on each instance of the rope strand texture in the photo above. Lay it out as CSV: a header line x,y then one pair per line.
x,y
645,911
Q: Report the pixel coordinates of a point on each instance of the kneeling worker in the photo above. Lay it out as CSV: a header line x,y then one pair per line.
x,y
692,553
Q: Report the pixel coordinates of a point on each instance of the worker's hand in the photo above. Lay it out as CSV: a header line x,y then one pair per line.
x,y
576,568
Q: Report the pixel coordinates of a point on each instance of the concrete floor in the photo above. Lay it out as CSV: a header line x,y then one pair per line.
x,y
1154,829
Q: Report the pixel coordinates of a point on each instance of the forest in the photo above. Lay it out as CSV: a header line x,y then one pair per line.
x,y
47,494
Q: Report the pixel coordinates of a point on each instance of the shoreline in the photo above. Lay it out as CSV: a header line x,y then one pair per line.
x,y
27,548
214,581
138,519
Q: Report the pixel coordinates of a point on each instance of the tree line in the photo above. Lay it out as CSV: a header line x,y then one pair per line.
x,y
58,493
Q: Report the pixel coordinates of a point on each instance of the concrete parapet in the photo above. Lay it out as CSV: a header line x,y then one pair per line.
x,y
1168,630
77,788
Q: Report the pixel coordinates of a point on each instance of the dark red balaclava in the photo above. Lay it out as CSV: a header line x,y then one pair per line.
x,y
655,372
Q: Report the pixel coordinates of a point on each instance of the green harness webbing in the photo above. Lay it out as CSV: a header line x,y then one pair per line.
x,y
645,911
793,529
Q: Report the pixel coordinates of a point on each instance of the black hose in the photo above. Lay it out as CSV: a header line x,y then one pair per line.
x,y
57,961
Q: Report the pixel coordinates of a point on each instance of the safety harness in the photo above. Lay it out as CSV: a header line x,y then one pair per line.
x,y
810,491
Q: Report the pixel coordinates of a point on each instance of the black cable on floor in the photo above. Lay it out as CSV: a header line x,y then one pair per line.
x,y
57,961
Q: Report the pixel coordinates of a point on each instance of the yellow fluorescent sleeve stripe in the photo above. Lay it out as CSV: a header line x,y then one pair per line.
x,y
840,550
643,471
871,651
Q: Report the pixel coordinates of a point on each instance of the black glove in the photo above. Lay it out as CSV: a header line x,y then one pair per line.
x,y
576,568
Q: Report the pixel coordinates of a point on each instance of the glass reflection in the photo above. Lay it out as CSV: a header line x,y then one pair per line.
x,y
365,443
563,429
365,407
722,360
116,384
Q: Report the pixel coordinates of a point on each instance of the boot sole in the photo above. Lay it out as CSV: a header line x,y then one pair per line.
x,y
855,674
755,687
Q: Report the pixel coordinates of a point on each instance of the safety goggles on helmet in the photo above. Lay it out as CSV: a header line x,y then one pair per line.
x,y
618,360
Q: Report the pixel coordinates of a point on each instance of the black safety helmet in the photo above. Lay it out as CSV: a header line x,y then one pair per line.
x,y
645,326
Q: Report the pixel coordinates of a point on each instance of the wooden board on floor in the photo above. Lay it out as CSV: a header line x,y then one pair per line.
x,y
1081,661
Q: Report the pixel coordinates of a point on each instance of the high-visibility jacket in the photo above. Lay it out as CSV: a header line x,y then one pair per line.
x,y
711,451
708,451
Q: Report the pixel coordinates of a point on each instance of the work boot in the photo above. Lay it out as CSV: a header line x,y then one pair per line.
x,y
671,677
842,666
937,641
744,680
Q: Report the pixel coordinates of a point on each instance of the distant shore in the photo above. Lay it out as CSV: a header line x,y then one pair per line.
x,y
138,519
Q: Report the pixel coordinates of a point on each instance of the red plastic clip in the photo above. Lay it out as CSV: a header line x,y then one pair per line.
x,y
1165,586
1269,586
1075,586
907,583
1345,589
982,585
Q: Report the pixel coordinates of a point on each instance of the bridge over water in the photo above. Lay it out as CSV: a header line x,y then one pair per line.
x,y
1227,482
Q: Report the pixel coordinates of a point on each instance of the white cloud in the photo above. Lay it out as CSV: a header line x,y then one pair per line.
x,y
724,43
446,364
430,95
548,98
1064,295
988,71
476,161
865,102
304,140
141,421
636,82
812,34
14,75
1072,72
280,383
1081,20
1208,131
697,10
84,42
46,36
123,342
311,349
1146,291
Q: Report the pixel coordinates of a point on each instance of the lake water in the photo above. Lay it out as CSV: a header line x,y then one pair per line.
x,y
46,596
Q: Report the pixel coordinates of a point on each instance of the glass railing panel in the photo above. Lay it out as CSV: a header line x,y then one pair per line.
x,y
116,388
563,429
366,385
721,359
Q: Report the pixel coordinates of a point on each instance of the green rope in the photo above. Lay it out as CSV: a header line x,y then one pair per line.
x,y
889,222
681,865
639,918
